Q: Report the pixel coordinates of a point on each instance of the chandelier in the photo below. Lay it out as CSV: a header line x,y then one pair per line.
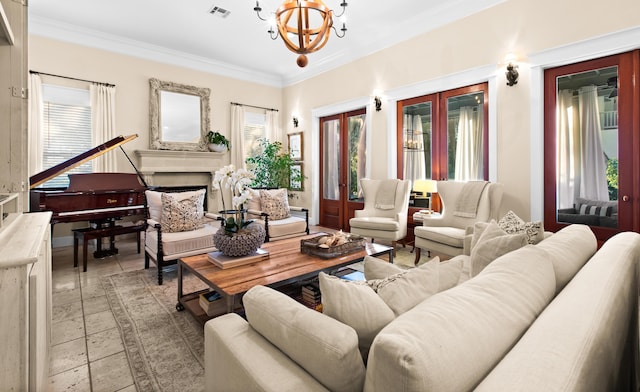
x,y
303,25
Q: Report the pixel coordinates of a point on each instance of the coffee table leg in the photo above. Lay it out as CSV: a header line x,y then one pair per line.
x,y
391,256
179,306
230,301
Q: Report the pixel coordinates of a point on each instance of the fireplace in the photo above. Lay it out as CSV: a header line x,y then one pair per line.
x,y
164,168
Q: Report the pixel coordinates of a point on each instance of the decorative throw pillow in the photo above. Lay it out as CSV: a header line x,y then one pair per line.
x,y
254,204
154,204
512,224
355,304
493,243
448,270
275,203
406,289
586,209
181,213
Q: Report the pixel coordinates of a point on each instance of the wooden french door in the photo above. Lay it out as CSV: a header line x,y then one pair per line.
x,y
342,165
591,144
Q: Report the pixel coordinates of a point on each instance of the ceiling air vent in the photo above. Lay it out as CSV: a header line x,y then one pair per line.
x,y
215,10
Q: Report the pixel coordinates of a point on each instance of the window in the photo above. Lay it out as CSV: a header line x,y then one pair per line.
x,y
444,135
66,129
254,129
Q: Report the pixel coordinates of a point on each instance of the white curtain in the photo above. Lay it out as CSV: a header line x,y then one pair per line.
x,y
35,125
237,136
568,143
103,123
272,127
414,164
594,183
469,145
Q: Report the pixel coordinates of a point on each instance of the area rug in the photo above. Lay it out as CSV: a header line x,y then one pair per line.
x,y
165,347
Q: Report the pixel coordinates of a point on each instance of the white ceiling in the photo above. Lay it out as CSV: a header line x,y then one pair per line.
x,y
184,33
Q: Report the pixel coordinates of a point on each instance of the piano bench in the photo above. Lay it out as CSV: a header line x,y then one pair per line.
x,y
91,233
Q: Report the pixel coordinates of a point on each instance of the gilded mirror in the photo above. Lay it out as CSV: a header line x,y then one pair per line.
x,y
178,115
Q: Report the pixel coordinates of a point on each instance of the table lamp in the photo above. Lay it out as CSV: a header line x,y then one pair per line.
x,y
424,187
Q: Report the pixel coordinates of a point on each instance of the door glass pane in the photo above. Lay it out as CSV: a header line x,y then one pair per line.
x,y
331,160
465,130
357,158
416,141
587,147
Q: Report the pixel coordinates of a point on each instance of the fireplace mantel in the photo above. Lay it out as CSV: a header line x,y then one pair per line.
x,y
167,167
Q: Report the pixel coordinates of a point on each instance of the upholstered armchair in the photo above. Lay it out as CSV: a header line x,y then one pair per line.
x,y
386,203
177,226
463,204
270,207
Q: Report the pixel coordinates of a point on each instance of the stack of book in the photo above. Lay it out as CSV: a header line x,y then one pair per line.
x,y
311,296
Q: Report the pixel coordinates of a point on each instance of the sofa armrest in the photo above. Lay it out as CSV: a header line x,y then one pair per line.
x,y
237,358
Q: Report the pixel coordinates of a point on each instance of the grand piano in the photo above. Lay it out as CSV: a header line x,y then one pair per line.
x,y
99,198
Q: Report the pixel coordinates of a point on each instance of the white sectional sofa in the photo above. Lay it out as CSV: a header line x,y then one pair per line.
x,y
556,316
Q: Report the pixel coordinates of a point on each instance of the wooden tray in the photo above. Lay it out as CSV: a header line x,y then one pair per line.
x,y
310,246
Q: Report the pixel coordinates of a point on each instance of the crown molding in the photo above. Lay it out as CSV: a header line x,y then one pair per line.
x,y
69,33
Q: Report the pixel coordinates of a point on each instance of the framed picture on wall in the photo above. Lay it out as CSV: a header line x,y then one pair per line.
x,y
296,180
295,146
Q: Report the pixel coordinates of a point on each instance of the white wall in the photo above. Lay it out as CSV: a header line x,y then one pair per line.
x,y
466,52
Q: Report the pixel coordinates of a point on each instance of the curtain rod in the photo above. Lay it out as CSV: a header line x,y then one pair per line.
x,y
69,77
252,106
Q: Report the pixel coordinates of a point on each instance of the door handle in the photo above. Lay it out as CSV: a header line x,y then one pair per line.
x,y
625,198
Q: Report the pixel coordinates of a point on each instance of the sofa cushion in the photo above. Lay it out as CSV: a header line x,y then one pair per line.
x,y
568,250
451,236
275,202
180,213
512,224
404,290
181,242
493,242
450,341
448,270
364,310
285,227
585,339
325,348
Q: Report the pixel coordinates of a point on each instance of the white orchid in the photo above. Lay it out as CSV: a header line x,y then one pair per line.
x,y
238,182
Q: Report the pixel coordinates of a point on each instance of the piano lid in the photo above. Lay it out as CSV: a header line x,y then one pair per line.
x,y
78,160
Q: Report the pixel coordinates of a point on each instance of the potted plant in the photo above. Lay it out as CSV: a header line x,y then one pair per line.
x,y
217,141
272,168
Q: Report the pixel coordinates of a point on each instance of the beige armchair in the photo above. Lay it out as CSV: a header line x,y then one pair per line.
x,y
270,207
463,204
170,235
384,216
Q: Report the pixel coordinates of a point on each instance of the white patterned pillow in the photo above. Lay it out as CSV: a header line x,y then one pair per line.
x,y
275,203
513,224
182,213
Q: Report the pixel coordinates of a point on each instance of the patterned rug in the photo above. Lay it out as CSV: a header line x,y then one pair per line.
x,y
165,347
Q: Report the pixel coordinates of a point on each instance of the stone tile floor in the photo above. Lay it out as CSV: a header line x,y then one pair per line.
x,y
87,353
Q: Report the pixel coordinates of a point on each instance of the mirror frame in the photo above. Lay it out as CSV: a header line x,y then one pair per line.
x,y
155,115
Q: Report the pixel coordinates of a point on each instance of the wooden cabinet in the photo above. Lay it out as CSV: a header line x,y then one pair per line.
x,y
25,301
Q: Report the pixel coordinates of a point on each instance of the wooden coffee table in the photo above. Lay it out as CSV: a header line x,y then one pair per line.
x,y
286,264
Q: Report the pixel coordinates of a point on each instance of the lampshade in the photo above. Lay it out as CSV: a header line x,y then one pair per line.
x,y
425,186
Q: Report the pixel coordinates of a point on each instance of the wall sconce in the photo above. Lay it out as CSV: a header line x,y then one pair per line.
x,y
295,122
378,103
512,74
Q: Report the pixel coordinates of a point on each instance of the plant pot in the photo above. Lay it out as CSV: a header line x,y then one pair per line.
x,y
243,243
217,147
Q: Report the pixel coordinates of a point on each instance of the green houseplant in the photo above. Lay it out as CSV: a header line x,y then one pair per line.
x,y
215,138
272,167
